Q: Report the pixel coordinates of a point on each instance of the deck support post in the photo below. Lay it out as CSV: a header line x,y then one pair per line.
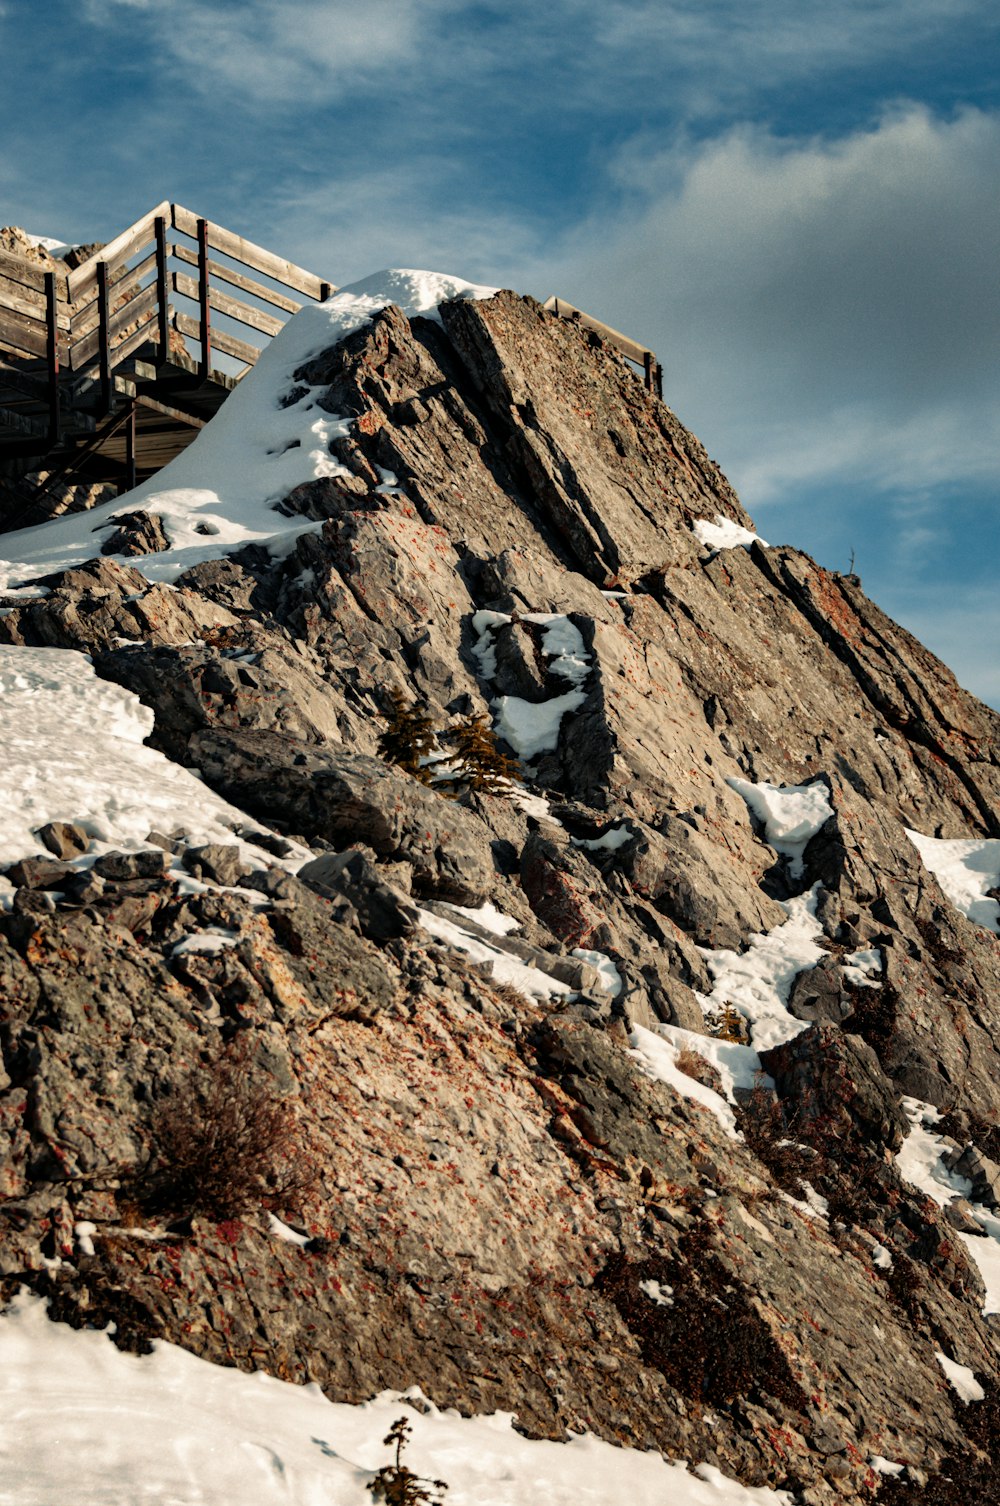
x,y
130,448
162,304
52,354
205,359
104,338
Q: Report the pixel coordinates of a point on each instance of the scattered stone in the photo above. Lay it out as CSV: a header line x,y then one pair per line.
x,y
63,838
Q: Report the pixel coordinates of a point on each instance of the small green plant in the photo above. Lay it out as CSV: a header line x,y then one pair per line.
x,y
409,737
395,1483
730,1026
478,762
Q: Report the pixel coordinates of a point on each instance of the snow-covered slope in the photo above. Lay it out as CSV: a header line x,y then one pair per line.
x,y
83,1423
219,493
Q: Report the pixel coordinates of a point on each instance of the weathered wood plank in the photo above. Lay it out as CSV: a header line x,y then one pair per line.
x,y
15,380
257,319
27,307
26,336
238,280
147,331
250,254
220,340
29,274
22,423
87,346
84,278
629,348
166,411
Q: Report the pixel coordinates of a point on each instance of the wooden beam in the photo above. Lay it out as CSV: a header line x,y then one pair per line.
x,y
204,307
89,344
250,254
155,406
84,278
162,286
220,340
52,353
103,336
30,274
29,308
253,318
629,348
27,337
222,273
17,380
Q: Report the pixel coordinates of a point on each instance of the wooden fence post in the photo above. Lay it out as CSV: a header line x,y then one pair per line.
x,y
205,361
103,337
162,304
52,354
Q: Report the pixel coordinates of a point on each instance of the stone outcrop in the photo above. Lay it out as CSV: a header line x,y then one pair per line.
x,y
496,1181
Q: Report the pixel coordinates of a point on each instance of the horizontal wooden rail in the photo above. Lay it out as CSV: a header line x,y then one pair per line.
x,y
253,256
251,317
83,280
26,337
237,280
641,355
88,346
228,344
29,274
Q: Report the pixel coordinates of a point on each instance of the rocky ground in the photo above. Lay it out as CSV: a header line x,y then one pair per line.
x,y
493,1196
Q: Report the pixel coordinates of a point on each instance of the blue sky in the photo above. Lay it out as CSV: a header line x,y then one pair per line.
x,y
795,202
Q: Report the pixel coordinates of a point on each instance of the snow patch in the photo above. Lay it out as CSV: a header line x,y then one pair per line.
x,y
725,534
72,746
530,981
489,917
611,978
961,1379
532,728
791,814
757,982
966,870
864,967
612,839
657,1053
920,1162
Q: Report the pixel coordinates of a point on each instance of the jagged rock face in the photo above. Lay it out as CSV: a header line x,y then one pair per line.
x,y
498,1185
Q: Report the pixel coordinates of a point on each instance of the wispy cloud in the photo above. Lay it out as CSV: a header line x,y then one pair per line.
x,y
822,308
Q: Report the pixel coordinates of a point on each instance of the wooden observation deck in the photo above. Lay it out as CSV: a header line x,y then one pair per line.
x,y
109,370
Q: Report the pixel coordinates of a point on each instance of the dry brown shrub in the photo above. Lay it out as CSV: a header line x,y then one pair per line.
x,y
693,1064
225,1142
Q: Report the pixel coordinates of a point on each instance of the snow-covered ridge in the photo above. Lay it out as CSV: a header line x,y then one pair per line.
x,y
169,1428
219,494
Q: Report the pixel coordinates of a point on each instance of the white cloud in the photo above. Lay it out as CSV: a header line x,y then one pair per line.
x,y
302,50
715,54
823,309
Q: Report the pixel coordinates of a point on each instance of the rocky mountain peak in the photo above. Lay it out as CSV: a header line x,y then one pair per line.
x,y
655,1097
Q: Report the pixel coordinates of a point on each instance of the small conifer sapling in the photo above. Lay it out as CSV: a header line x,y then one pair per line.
x,y
478,762
396,1484
408,738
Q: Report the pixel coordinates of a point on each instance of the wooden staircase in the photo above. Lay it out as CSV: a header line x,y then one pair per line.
x,y
109,370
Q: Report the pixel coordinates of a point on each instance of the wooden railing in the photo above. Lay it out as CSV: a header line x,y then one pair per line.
x,y
90,320
638,354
